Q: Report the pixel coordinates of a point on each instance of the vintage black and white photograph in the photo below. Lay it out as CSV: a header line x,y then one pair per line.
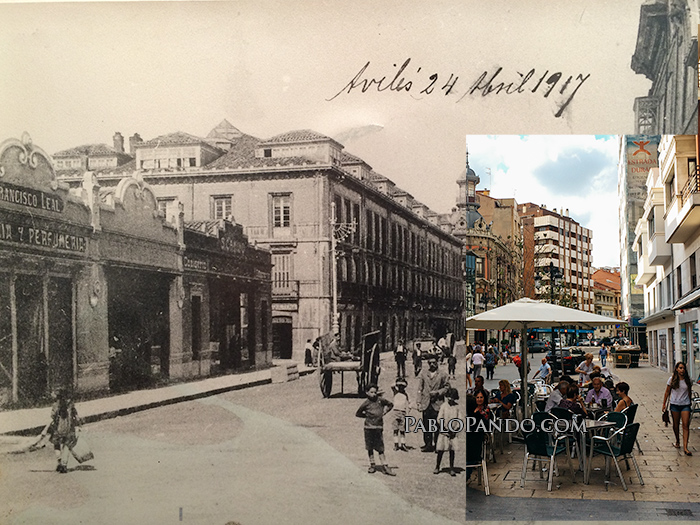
x,y
237,249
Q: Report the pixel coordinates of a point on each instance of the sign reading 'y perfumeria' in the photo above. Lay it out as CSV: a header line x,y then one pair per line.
x,y
31,198
45,237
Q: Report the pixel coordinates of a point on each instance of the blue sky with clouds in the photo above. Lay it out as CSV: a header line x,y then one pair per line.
x,y
578,172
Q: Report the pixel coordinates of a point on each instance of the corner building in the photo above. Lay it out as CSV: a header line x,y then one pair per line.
x,y
397,270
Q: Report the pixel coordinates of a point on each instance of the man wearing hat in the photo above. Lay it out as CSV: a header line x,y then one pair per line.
x,y
398,414
432,387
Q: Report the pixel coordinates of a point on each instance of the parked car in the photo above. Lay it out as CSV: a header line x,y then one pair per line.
x,y
537,346
572,357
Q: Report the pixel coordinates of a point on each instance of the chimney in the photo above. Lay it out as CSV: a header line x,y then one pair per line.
x,y
567,212
134,140
118,142
486,193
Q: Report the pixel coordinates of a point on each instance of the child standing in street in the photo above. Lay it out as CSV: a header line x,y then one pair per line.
x,y
64,420
373,410
447,440
398,414
452,366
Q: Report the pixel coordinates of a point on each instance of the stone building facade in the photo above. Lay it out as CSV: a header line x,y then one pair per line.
x,y
397,270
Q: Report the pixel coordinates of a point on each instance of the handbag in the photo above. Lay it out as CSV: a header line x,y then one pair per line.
x,y
665,418
81,450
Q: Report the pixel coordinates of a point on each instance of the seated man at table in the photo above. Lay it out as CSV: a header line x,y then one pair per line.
x,y
574,401
599,394
557,396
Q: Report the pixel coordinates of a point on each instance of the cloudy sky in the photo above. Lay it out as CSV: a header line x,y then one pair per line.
x,y
578,172
74,73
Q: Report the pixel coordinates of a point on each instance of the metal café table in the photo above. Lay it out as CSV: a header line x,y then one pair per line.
x,y
592,427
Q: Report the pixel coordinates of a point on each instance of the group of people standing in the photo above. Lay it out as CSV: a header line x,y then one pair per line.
x,y
436,400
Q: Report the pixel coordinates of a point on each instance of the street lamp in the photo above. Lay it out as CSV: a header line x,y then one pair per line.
x,y
555,279
339,231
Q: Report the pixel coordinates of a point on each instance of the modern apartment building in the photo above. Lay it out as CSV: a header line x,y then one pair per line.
x,y
667,243
638,154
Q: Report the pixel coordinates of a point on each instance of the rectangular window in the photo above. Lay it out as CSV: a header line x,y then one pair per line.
x,y
167,206
479,267
282,211
193,162
693,273
267,153
221,207
679,283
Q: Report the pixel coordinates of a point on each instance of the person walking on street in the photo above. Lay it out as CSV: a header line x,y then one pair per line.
x,y
490,362
477,361
469,366
308,350
400,358
417,359
678,392
442,346
64,421
432,387
373,409
603,353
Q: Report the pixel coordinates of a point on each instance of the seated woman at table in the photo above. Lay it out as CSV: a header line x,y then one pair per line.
x,y
585,368
505,398
622,390
481,412
574,401
599,394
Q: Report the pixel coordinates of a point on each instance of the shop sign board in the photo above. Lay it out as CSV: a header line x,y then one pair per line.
x,y
44,234
30,198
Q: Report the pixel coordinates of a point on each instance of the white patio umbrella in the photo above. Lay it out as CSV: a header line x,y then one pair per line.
x,y
528,313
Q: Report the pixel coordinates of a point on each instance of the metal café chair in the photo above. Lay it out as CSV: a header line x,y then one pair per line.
x,y
604,445
631,413
476,456
539,448
694,408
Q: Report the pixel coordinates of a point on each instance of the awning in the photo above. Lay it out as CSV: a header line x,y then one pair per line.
x,y
666,313
691,300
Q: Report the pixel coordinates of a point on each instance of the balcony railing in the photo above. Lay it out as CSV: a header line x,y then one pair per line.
x,y
285,290
692,186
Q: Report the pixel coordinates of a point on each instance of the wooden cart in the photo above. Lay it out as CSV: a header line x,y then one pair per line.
x,y
364,362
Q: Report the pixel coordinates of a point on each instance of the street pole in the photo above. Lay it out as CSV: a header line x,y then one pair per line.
x,y
334,275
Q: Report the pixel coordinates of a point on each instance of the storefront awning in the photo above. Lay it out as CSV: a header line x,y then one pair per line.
x,y
658,316
691,300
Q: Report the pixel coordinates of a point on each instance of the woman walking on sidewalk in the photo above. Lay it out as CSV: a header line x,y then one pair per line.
x,y
678,390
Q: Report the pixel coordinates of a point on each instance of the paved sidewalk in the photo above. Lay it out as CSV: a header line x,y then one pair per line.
x,y
32,420
669,476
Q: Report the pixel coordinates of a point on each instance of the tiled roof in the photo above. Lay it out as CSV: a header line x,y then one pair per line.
x,y
242,155
178,137
209,227
347,158
124,168
225,130
91,150
374,176
301,135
